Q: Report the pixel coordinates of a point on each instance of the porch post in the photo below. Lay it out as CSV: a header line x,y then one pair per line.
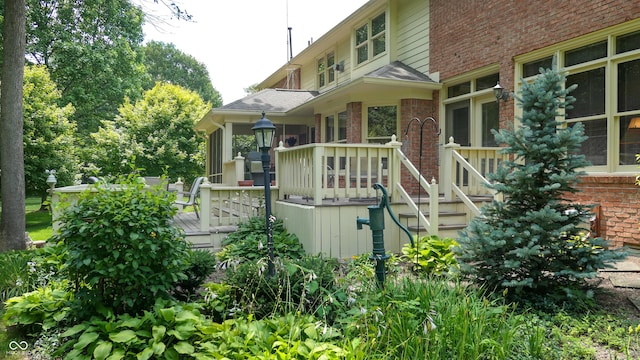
x,y
318,171
448,172
205,205
394,168
239,162
278,170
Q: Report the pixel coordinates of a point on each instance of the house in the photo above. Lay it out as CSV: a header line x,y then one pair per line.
x,y
405,87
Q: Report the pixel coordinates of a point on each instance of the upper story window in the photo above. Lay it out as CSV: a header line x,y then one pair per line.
x,y
607,72
370,39
326,71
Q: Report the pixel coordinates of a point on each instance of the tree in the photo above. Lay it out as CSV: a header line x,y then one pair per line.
x,y
155,133
165,63
91,48
12,223
48,134
533,241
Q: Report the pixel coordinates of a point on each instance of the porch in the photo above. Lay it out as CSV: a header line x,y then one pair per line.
x,y
321,189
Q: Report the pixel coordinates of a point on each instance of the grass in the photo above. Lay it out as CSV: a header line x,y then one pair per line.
x,y
38,222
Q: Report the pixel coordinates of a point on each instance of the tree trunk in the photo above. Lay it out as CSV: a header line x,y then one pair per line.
x,y
12,223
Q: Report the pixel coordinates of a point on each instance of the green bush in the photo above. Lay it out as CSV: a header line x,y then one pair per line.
x,y
123,250
24,271
249,242
43,308
299,285
165,332
201,264
431,254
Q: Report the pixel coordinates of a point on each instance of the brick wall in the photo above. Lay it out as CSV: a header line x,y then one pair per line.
x,y
419,109
466,35
619,199
354,123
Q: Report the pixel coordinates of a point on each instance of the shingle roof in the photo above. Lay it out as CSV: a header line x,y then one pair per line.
x,y
397,70
271,100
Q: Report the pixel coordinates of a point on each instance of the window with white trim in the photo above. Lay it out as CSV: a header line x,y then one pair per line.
x,y
471,111
325,70
382,122
607,72
335,127
370,39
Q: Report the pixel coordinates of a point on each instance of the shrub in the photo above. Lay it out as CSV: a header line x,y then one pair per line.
x,y
201,264
431,254
249,242
23,271
299,285
123,249
44,307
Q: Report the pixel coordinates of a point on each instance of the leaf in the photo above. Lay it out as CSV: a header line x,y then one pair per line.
x,y
123,336
116,355
158,348
85,339
102,350
158,332
184,347
168,314
145,354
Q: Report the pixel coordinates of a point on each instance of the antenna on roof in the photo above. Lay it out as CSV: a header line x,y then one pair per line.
x,y
290,46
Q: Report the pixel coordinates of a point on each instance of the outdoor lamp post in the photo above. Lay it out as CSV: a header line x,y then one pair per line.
x,y
264,131
51,179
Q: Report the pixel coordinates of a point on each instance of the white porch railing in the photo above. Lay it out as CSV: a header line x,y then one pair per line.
x,y
336,171
466,170
325,172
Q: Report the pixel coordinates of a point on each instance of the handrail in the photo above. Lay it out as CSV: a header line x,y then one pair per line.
x,y
430,225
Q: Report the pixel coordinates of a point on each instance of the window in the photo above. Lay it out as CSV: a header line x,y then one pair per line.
x,y
371,39
589,94
336,132
458,121
629,85
606,111
328,127
325,70
471,111
382,122
533,67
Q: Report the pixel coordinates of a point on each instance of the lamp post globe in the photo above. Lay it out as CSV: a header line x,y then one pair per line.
x,y
264,131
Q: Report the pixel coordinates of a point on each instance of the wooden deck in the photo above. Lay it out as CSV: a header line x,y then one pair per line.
x,y
188,222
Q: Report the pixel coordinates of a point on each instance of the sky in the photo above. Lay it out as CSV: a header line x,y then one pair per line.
x,y
242,42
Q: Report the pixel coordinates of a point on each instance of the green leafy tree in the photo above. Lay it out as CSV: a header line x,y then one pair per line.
x,y
91,49
533,241
155,133
48,134
165,63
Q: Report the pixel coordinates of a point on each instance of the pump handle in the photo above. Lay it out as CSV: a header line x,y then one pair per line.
x,y
385,202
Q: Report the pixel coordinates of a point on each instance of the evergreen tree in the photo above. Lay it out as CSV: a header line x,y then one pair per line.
x,y
533,241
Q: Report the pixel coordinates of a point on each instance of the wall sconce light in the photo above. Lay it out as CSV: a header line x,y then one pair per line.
x,y
500,93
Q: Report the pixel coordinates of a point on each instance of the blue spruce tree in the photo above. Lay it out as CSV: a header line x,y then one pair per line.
x,y
534,241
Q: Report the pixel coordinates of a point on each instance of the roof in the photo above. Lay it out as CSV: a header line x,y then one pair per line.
x,y
397,70
271,100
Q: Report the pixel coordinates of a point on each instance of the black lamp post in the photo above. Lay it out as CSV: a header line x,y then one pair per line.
x,y
264,131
